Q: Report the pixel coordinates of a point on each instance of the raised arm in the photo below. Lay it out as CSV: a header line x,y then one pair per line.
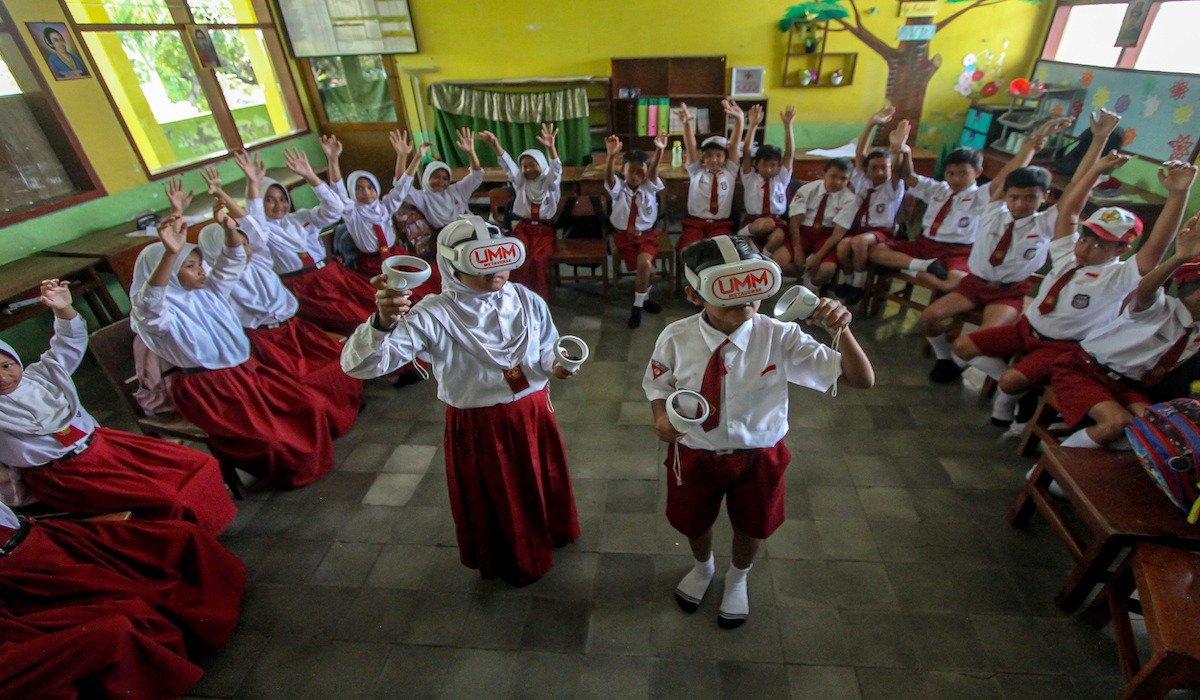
x,y
901,153
612,146
1070,204
173,235
179,201
297,162
788,117
755,118
56,296
689,133
466,144
212,178
402,144
69,343
255,171
733,109
411,170
1032,145
1177,177
1187,248
883,116
490,139
549,139
660,147
231,261
333,156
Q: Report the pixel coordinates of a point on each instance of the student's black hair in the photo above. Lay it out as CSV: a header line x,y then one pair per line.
x,y
704,254
877,153
768,153
46,35
636,156
1029,176
839,163
964,156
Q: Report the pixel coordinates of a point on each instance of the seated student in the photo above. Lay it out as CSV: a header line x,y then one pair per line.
x,y
1010,245
633,213
712,170
878,193
810,225
765,179
538,184
741,362
266,422
1085,287
441,201
63,458
493,348
1105,378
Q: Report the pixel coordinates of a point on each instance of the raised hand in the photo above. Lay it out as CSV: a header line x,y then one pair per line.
x,y
1177,176
251,165
297,162
466,140
1104,122
221,216
172,233
489,138
884,115
331,146
1112,161
612,145
660,141
549,135
1052,127
898,139
788,115
1187,243
401,142
733,109
755,116
56,294
179,201
212,178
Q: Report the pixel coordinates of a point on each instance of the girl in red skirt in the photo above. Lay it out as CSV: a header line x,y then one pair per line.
x,y
493,345
58,454
439,200
538,189
265,421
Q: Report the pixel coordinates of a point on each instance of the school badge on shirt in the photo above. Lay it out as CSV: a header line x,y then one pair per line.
x,y
69,436
657,368
517,381
1080,301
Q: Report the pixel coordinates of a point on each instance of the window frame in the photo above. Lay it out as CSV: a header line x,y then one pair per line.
x,y
304,65
182,15
58,132
1127,60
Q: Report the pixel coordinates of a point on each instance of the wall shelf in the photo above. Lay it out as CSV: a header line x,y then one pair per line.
x,y
800,57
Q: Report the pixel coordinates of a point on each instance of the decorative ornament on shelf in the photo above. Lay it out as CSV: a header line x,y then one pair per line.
x,y
808,77
835,78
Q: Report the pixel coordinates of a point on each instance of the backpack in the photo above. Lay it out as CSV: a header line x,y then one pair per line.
x,y
1167,442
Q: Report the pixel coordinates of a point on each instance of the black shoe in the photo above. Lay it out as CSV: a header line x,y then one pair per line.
x,y
1026,406
937,268
635,316
651,307
730,622
686,603
1001,423
853,296
944,371
842,290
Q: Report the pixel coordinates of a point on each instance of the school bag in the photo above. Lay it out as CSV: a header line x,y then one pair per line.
x,y
1167,442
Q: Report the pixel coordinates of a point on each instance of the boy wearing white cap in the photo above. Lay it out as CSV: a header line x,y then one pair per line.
x,y
713,170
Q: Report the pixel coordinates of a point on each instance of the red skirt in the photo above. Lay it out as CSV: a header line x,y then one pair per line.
x,y
111,649
176,568
156,479
302,350
367,265
260,419
510,491
540,242
332,297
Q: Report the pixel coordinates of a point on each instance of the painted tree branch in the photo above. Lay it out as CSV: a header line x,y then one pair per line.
x,y
866,36
968,8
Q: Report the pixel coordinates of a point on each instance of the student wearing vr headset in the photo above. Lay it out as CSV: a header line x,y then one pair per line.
x,y
741,362
493,346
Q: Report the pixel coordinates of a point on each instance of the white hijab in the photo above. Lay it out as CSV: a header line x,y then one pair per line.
x,y
8,518
440,207
266,184
43,403
536,188
373,212
199,329
259,297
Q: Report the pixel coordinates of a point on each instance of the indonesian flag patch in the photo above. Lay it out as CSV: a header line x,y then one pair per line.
x,y
657,368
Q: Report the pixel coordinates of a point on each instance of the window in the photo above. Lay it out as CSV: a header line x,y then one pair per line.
x,y
1174,28
1090,35
353,89
1153,40
41,169
191,81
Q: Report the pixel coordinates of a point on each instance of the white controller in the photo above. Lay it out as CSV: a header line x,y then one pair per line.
x,y
796,304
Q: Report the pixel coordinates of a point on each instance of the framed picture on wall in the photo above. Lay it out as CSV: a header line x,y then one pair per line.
x,y
203,46
58,47
748,82
1131,25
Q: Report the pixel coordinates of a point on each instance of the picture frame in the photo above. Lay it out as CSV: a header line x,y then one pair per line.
x,y
1134,21
59,50
747,81
202,45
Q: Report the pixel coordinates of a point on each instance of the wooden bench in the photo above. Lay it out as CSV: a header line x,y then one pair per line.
x,y
1038,430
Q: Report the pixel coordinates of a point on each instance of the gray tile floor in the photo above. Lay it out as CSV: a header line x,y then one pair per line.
x,y
895,576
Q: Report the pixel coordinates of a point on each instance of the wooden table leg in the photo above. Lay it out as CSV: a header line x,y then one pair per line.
x,y
1090,571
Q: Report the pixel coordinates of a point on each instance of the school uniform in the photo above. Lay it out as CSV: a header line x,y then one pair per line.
x,y
536,203
818,207
1006,252
440,208
1116,361
739,454
266,422
329,295
57,453
763,197
633,214
709,202
950,223
1071,302
371,228
493,353
874,209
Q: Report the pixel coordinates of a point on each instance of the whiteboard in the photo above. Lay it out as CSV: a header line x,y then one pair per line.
x,y
348,27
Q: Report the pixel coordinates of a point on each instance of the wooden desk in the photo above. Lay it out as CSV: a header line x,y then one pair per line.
x,y
1114,498
495,177
21,277
810,167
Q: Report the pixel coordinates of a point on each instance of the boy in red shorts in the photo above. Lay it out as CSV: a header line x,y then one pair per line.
x,y
766,173
812,211
633,213
712,169
741,362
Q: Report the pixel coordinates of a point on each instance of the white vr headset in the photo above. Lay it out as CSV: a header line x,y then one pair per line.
x,y
735,281
486,251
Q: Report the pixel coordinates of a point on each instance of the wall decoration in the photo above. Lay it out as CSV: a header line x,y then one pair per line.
x,y
1131,25
202,44
58,48
748,82
920,8
1179,89
348,27
915,32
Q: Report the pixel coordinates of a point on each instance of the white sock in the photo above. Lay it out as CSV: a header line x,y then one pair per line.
x,y
744,231
919,265
942,349
1054,489
858,279
639,298
735,604
694,585
991,366
1005,405
1082,439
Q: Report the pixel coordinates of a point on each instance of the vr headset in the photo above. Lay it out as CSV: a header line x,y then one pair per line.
x,y
486,252
735,281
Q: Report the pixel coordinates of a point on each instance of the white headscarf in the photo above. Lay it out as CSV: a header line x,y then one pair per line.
x,y
259,297
198,329
8,518
43,403
374,210
439,207
536,188
266,184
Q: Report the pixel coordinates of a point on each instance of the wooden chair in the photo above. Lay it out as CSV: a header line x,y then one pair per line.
x,y
112,346
1038,429
577,252
500,200
666,255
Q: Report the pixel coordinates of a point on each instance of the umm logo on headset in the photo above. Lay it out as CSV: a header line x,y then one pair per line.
x,y
747,283
500,254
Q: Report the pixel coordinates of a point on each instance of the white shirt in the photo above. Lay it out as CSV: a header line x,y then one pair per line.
x,y
1027,252
1133,343
700,190
1089,300
522,203
763,356
361,219
752,192
646,196
299,231
440,208
885,201
808,200
259,297
961,221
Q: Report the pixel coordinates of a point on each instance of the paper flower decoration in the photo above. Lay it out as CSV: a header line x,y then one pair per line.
x,y
1087,78
1100,99
1183,113
1179,89
1151,108
1128,137
1122,105
1181,148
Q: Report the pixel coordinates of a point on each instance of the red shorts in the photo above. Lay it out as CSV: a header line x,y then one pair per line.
x,y
880,235
631,246
751,482
696,229
981,294
812,240
924,248
1080,383
748,219
1040,353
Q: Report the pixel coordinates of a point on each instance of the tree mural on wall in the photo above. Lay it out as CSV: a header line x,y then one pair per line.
x,y
910,67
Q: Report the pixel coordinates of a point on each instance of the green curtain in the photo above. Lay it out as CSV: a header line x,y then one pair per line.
x,y
515,118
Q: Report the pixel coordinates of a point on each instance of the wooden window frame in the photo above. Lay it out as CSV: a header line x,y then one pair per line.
x,y
304,65
1129,54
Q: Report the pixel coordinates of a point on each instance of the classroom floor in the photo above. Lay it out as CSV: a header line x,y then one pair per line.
x,y
895,576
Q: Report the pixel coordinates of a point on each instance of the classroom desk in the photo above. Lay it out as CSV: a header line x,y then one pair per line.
x,y
21,279
495,177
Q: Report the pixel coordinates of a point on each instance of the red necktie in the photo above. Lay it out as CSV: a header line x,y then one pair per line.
x,y
1002,247
1051,299
535,211
941,215
710,386
862,210
766,210
1165,363
819,218
714,203
631,226
306,260
381,239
